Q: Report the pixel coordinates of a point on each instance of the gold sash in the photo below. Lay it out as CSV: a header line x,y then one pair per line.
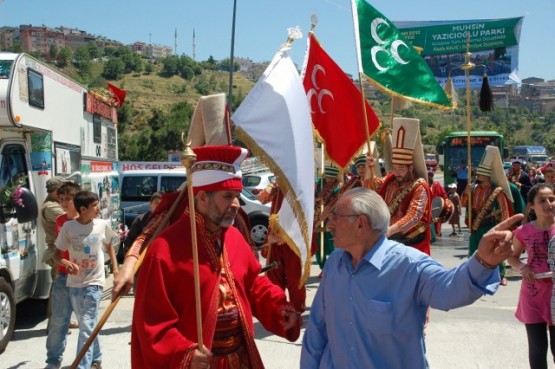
x,y
486,209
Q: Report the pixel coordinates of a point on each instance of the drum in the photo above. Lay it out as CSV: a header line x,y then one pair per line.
x,y
442,209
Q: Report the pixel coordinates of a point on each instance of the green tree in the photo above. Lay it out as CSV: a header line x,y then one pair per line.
x,y
149,68
114,69
82,60
170,65
53,52
64,56
94,50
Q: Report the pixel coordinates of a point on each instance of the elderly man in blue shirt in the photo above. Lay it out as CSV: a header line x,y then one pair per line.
x,y
370,309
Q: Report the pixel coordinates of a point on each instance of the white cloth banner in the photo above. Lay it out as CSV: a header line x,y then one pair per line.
x,y
274,122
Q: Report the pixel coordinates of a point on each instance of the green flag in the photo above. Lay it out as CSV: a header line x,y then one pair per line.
x,y
390,62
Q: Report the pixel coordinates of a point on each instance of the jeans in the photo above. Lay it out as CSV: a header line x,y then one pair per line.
x,y
85,301
59,320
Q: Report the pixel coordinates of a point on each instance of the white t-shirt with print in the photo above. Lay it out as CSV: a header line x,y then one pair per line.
x,y
86,244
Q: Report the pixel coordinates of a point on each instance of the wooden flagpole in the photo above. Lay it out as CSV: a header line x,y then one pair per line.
x,y
360,78
188,158
467,67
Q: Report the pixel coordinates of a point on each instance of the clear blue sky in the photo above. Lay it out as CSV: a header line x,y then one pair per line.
x,y
262,24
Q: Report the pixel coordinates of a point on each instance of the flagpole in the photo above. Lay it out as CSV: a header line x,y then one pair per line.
x,y
360,77
188,158
231,64
467,67
322,224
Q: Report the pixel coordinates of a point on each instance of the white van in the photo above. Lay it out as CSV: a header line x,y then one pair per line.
x,y
138,185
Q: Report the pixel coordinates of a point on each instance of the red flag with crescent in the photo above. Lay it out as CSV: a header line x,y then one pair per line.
x,y
336,105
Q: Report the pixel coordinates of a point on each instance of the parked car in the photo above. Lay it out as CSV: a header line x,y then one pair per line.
x,y
257,181
431,161
259,215
257,212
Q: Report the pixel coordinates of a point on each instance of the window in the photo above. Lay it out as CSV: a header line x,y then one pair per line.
x,y
138,188
36,88
13,165
97,129
171,184
5,68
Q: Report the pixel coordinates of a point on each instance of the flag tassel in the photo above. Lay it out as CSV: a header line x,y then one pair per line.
x,y
451,92
486,96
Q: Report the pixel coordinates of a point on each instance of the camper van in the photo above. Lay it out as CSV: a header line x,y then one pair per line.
x,y
50,125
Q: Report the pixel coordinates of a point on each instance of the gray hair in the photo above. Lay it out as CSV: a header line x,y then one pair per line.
x,y
370,204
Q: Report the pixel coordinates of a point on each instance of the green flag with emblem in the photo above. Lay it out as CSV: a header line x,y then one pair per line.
x,y
390,62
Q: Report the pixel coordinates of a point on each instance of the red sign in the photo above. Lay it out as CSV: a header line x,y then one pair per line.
x,y
94,106
100,167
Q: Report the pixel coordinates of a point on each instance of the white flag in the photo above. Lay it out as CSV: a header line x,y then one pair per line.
x,y
274,122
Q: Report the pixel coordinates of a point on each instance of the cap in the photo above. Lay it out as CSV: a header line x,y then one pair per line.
x,y
331,171
52,184
208,123
492,166
218,168
451,185
407,145
516,160
360,160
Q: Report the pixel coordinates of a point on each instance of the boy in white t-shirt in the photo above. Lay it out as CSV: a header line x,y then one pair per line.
x,y
86,238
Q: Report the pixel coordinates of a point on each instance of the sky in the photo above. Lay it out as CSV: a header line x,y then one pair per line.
x,y
261,25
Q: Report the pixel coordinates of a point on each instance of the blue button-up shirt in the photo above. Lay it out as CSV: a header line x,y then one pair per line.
x,y
373,316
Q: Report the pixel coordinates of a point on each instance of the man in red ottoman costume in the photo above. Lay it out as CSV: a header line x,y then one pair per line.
x,y
164,333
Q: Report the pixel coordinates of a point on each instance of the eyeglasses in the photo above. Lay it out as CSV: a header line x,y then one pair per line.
x,y
334,216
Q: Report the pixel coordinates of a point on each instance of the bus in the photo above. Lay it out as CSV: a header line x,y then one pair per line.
x,y
453,149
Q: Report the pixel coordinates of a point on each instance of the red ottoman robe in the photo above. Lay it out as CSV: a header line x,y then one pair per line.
x,y
164,320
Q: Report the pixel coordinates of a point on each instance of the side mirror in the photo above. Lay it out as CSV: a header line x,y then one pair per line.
x,y
29,211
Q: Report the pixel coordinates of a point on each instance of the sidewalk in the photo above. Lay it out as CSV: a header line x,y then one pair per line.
x,y
483,335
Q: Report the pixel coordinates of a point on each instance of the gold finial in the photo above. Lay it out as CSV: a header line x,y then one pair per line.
x,y
188,156
468,65
293,34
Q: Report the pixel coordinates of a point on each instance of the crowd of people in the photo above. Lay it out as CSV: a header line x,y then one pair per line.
x,y
372,240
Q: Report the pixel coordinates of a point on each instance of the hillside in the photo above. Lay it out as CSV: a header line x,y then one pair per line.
x,y
152,98
148,91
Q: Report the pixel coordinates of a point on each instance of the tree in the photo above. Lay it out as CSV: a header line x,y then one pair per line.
x,y
94,51
170,65
64,56
53,52
82,60
149,68
114,69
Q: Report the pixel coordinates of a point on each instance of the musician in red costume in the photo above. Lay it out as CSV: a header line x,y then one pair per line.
x,y
288,273
437,191
164,333
405,190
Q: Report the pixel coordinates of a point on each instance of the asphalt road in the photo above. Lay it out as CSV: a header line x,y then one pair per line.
x,y
483,335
